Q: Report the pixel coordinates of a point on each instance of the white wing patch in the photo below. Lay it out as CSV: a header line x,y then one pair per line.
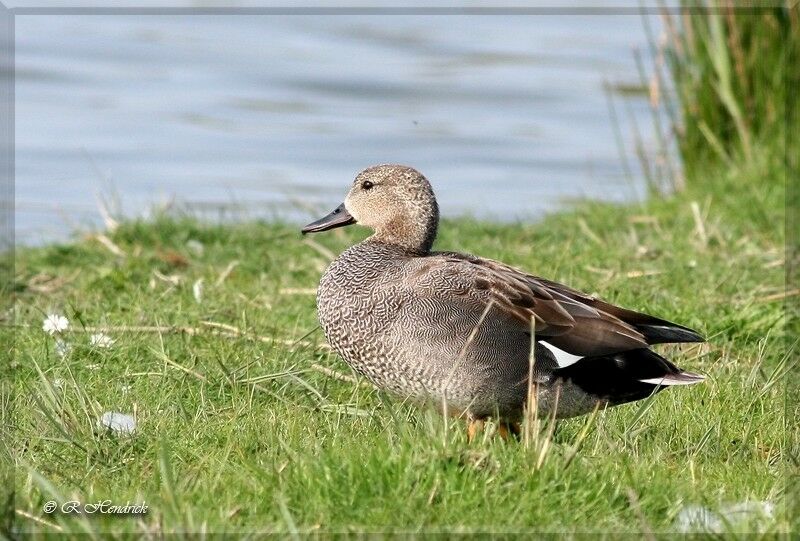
x,y
562,357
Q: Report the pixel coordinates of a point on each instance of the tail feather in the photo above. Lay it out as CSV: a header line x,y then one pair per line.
x,y
668,333
625,377
681,378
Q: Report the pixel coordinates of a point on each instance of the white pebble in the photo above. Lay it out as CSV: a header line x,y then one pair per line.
x,y
741,516
195,246
121,423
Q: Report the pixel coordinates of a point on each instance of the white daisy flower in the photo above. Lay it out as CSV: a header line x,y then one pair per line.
x,y
62,348
101,340
197,290
55,323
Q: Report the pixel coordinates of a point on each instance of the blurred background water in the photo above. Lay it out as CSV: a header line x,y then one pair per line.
x,y
245,116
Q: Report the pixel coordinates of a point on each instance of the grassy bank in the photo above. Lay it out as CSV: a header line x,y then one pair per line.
x,y
247,423
207,336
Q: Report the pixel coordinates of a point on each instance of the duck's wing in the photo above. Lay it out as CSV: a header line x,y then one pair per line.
x,y
572,321
655,330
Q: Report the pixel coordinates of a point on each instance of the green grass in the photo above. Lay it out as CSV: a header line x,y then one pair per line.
x,y
250,433
732,70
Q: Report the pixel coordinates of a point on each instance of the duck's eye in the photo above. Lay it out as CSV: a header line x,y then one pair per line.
x,y
367,185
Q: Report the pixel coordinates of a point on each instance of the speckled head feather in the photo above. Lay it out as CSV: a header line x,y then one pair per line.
x,y
397,202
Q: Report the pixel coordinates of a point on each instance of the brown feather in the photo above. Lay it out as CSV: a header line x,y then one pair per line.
x,y
575,322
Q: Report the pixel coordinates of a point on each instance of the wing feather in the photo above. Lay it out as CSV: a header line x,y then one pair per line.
x,y
566,318
575,322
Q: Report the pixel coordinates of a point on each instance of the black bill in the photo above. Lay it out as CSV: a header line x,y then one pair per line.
x,y
338,218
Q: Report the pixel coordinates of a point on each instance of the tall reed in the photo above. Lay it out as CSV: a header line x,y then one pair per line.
x,y
730,66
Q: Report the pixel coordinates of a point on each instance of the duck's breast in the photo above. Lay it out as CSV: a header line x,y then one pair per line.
x,y
358,297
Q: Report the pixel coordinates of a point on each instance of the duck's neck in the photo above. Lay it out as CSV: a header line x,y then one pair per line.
x,y
415,235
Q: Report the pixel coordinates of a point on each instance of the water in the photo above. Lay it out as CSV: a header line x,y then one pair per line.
x,y
247,115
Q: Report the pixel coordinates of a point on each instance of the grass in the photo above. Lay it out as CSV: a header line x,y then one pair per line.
x,y
719,77
247,423
730,70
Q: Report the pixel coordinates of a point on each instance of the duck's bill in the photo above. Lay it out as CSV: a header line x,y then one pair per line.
x,y
338,218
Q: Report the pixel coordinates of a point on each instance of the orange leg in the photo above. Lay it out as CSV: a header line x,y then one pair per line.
x,y
508,430
474,427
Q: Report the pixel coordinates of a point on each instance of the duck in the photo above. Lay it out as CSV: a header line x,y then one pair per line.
x,y
476,337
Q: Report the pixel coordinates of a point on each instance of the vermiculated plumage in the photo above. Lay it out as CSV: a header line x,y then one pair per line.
x,y
437,326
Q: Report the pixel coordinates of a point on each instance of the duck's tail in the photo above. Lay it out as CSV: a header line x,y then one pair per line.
x,y
625,377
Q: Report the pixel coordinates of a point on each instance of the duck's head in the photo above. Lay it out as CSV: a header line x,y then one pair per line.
x,y
395,201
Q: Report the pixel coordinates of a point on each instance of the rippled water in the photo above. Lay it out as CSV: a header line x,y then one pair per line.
x,y
247,115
